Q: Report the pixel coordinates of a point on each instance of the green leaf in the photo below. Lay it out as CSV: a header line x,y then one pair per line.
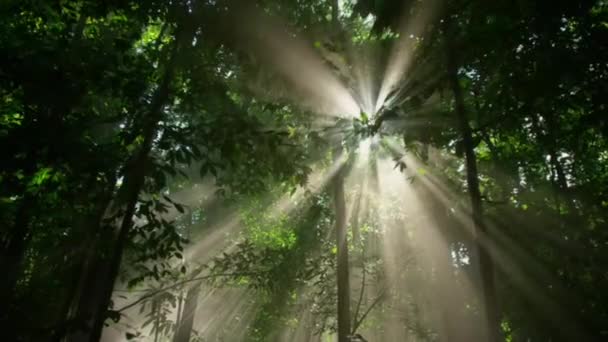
x,y
41,176
364,118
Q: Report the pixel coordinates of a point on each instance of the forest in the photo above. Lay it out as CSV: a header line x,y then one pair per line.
x,y
303,170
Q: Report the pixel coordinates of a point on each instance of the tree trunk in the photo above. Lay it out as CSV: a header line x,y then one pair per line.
x,y
558,175
486,264
134,181
134,178
342,272
87,260
342,251
355,218
186,322
178,318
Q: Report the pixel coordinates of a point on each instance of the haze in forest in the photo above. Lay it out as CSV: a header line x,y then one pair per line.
x,y
322,170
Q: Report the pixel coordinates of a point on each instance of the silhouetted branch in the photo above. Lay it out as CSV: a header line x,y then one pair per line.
x,y
369,309
154,293
360,300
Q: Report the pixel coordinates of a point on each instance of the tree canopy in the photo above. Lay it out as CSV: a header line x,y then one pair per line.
x,y
350,170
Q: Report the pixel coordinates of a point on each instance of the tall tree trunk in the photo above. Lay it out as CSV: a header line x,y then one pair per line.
x,y
343,282
355,217
186,322
134,181
342,251
558,174
135,173
486,264
562,180
180,303
89,259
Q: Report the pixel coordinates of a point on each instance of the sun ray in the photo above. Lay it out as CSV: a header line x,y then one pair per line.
x,y
411,28
288,54
526,273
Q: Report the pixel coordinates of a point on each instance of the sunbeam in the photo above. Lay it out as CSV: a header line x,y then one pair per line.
x,y
313,84
508,256
411,30
307,171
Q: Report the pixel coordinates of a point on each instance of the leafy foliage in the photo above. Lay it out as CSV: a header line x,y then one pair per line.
x,y
111,110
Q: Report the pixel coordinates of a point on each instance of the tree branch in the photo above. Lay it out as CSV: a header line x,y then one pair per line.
x,y
164,289
360,300
369,309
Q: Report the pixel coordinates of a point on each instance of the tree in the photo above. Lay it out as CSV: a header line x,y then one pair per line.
x,y
160,155
342,265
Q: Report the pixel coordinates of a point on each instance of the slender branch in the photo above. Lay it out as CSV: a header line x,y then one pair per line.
x,y
180,303
369,309
360,299
172,286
